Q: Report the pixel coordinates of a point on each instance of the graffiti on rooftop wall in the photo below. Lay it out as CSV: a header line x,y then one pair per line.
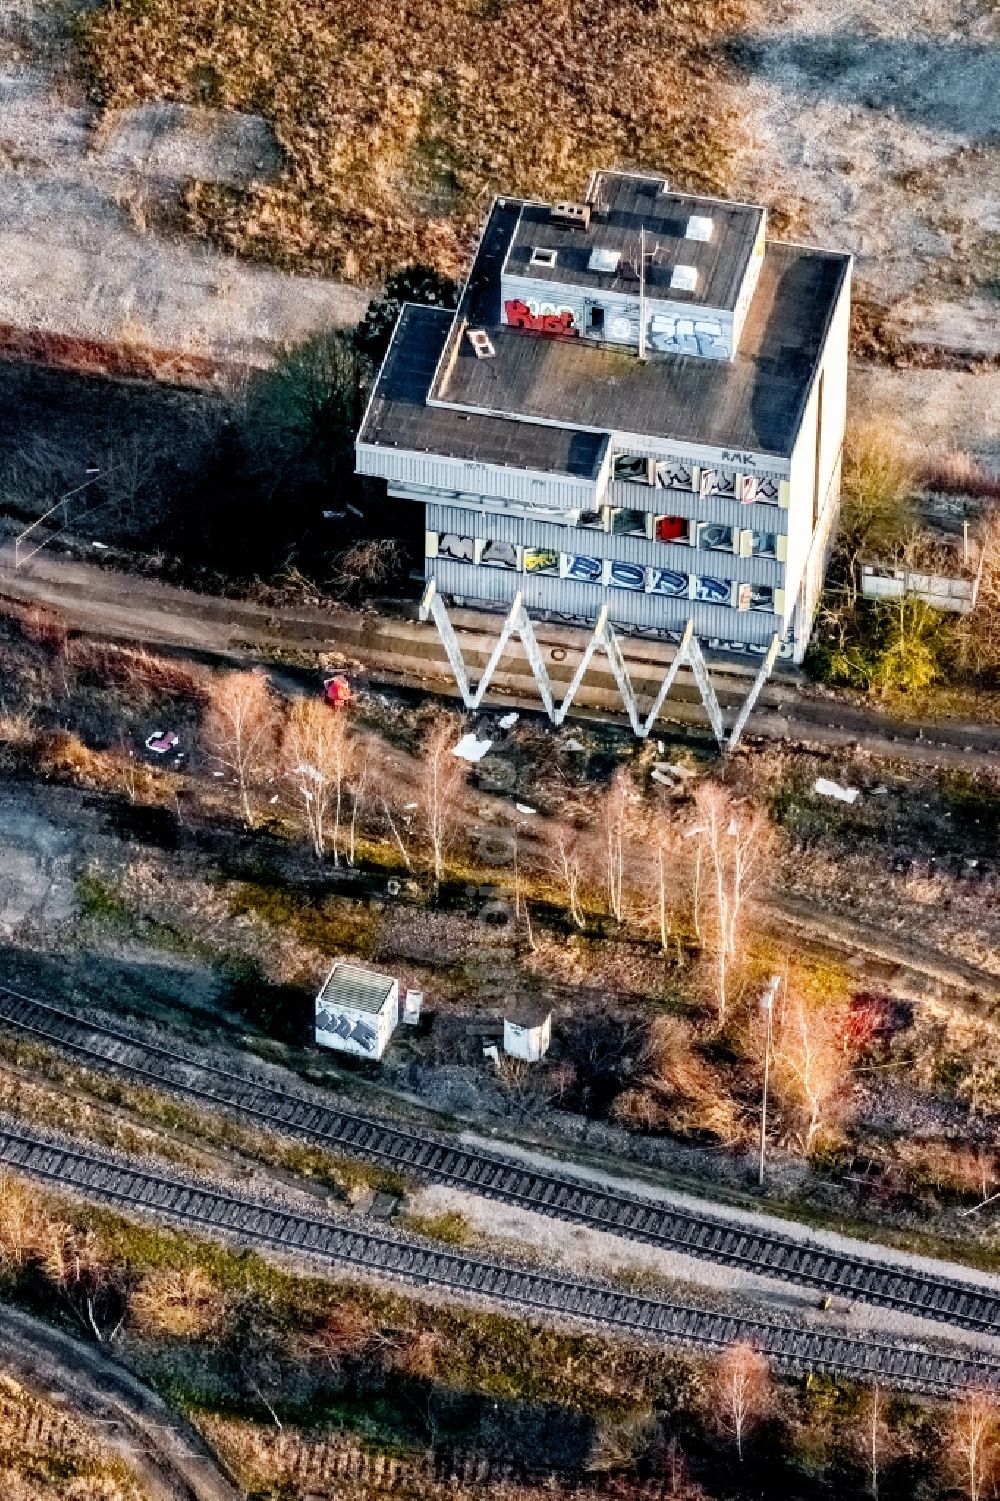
x,y
668,334
541,317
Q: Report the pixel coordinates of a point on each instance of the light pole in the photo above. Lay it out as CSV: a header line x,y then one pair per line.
x,y
767,1006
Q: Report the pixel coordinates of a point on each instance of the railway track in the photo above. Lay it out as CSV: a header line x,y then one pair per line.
x,y
185,1201
435,1158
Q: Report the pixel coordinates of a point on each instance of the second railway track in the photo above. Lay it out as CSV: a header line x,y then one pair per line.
x,y
195,1205
435,1158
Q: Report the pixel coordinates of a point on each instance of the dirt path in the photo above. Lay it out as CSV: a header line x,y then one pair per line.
x,y
168,1457
396,650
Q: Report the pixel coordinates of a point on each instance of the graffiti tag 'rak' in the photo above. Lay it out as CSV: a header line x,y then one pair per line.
x,y
547,319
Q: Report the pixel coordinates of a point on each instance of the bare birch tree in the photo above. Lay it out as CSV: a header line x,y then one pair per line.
x,y
734,840
615,819
240,730
743,1390
441,787
874,1437
811,1066
316,751
972,1440
565,863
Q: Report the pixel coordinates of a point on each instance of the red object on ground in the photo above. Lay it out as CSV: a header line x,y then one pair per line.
x,y
337,692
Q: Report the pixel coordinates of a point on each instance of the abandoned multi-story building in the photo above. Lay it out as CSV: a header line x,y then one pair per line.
x,y
639,404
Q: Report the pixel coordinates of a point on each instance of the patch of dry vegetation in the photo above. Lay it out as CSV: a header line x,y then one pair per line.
x,y
397,124
46,1456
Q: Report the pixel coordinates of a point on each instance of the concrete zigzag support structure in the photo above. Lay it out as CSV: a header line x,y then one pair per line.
x,y
604,637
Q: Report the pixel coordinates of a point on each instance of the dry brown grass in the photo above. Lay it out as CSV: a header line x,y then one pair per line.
x,y
397,123
177,1303
679,1090
958,473
45,1454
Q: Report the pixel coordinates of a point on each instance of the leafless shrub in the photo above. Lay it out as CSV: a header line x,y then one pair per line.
x,y
958,473
367,565
177,1303
677,1090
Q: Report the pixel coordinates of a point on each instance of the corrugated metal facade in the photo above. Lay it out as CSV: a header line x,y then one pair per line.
x,y
570,597
402,467
594,543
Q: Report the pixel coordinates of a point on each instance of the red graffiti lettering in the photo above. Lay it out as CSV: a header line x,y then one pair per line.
x,y
519,315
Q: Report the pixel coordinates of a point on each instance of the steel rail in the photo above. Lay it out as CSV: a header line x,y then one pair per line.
x,y
108,1179
435,1158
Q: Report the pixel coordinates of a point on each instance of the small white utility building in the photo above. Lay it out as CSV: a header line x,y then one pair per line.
x,y
527,1032
357,1011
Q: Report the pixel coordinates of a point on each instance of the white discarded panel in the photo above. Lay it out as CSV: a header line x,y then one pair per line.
x,y
469,748
412,1003
826,788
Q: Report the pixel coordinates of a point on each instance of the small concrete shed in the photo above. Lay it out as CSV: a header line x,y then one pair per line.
x,y
527,1031
357,1011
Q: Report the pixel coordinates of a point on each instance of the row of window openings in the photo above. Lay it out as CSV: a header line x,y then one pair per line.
x,y
669,474
543,561
622,522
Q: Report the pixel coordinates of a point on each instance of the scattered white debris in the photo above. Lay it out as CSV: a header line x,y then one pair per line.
x,y
412,1002
491,1052
508,721
880,792
354,510
218,773
471,749
656,775
101,546
699,828
734,828
523,808
573,744
305,770
826,788
275,798
409,807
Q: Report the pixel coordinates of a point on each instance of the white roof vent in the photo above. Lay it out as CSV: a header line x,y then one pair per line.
x,y
482,344
542,257
683,279
604,260
699,227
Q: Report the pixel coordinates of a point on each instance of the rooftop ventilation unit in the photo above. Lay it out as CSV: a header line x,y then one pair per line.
x,y
571,215
683,279
482,344
604,260
699,227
